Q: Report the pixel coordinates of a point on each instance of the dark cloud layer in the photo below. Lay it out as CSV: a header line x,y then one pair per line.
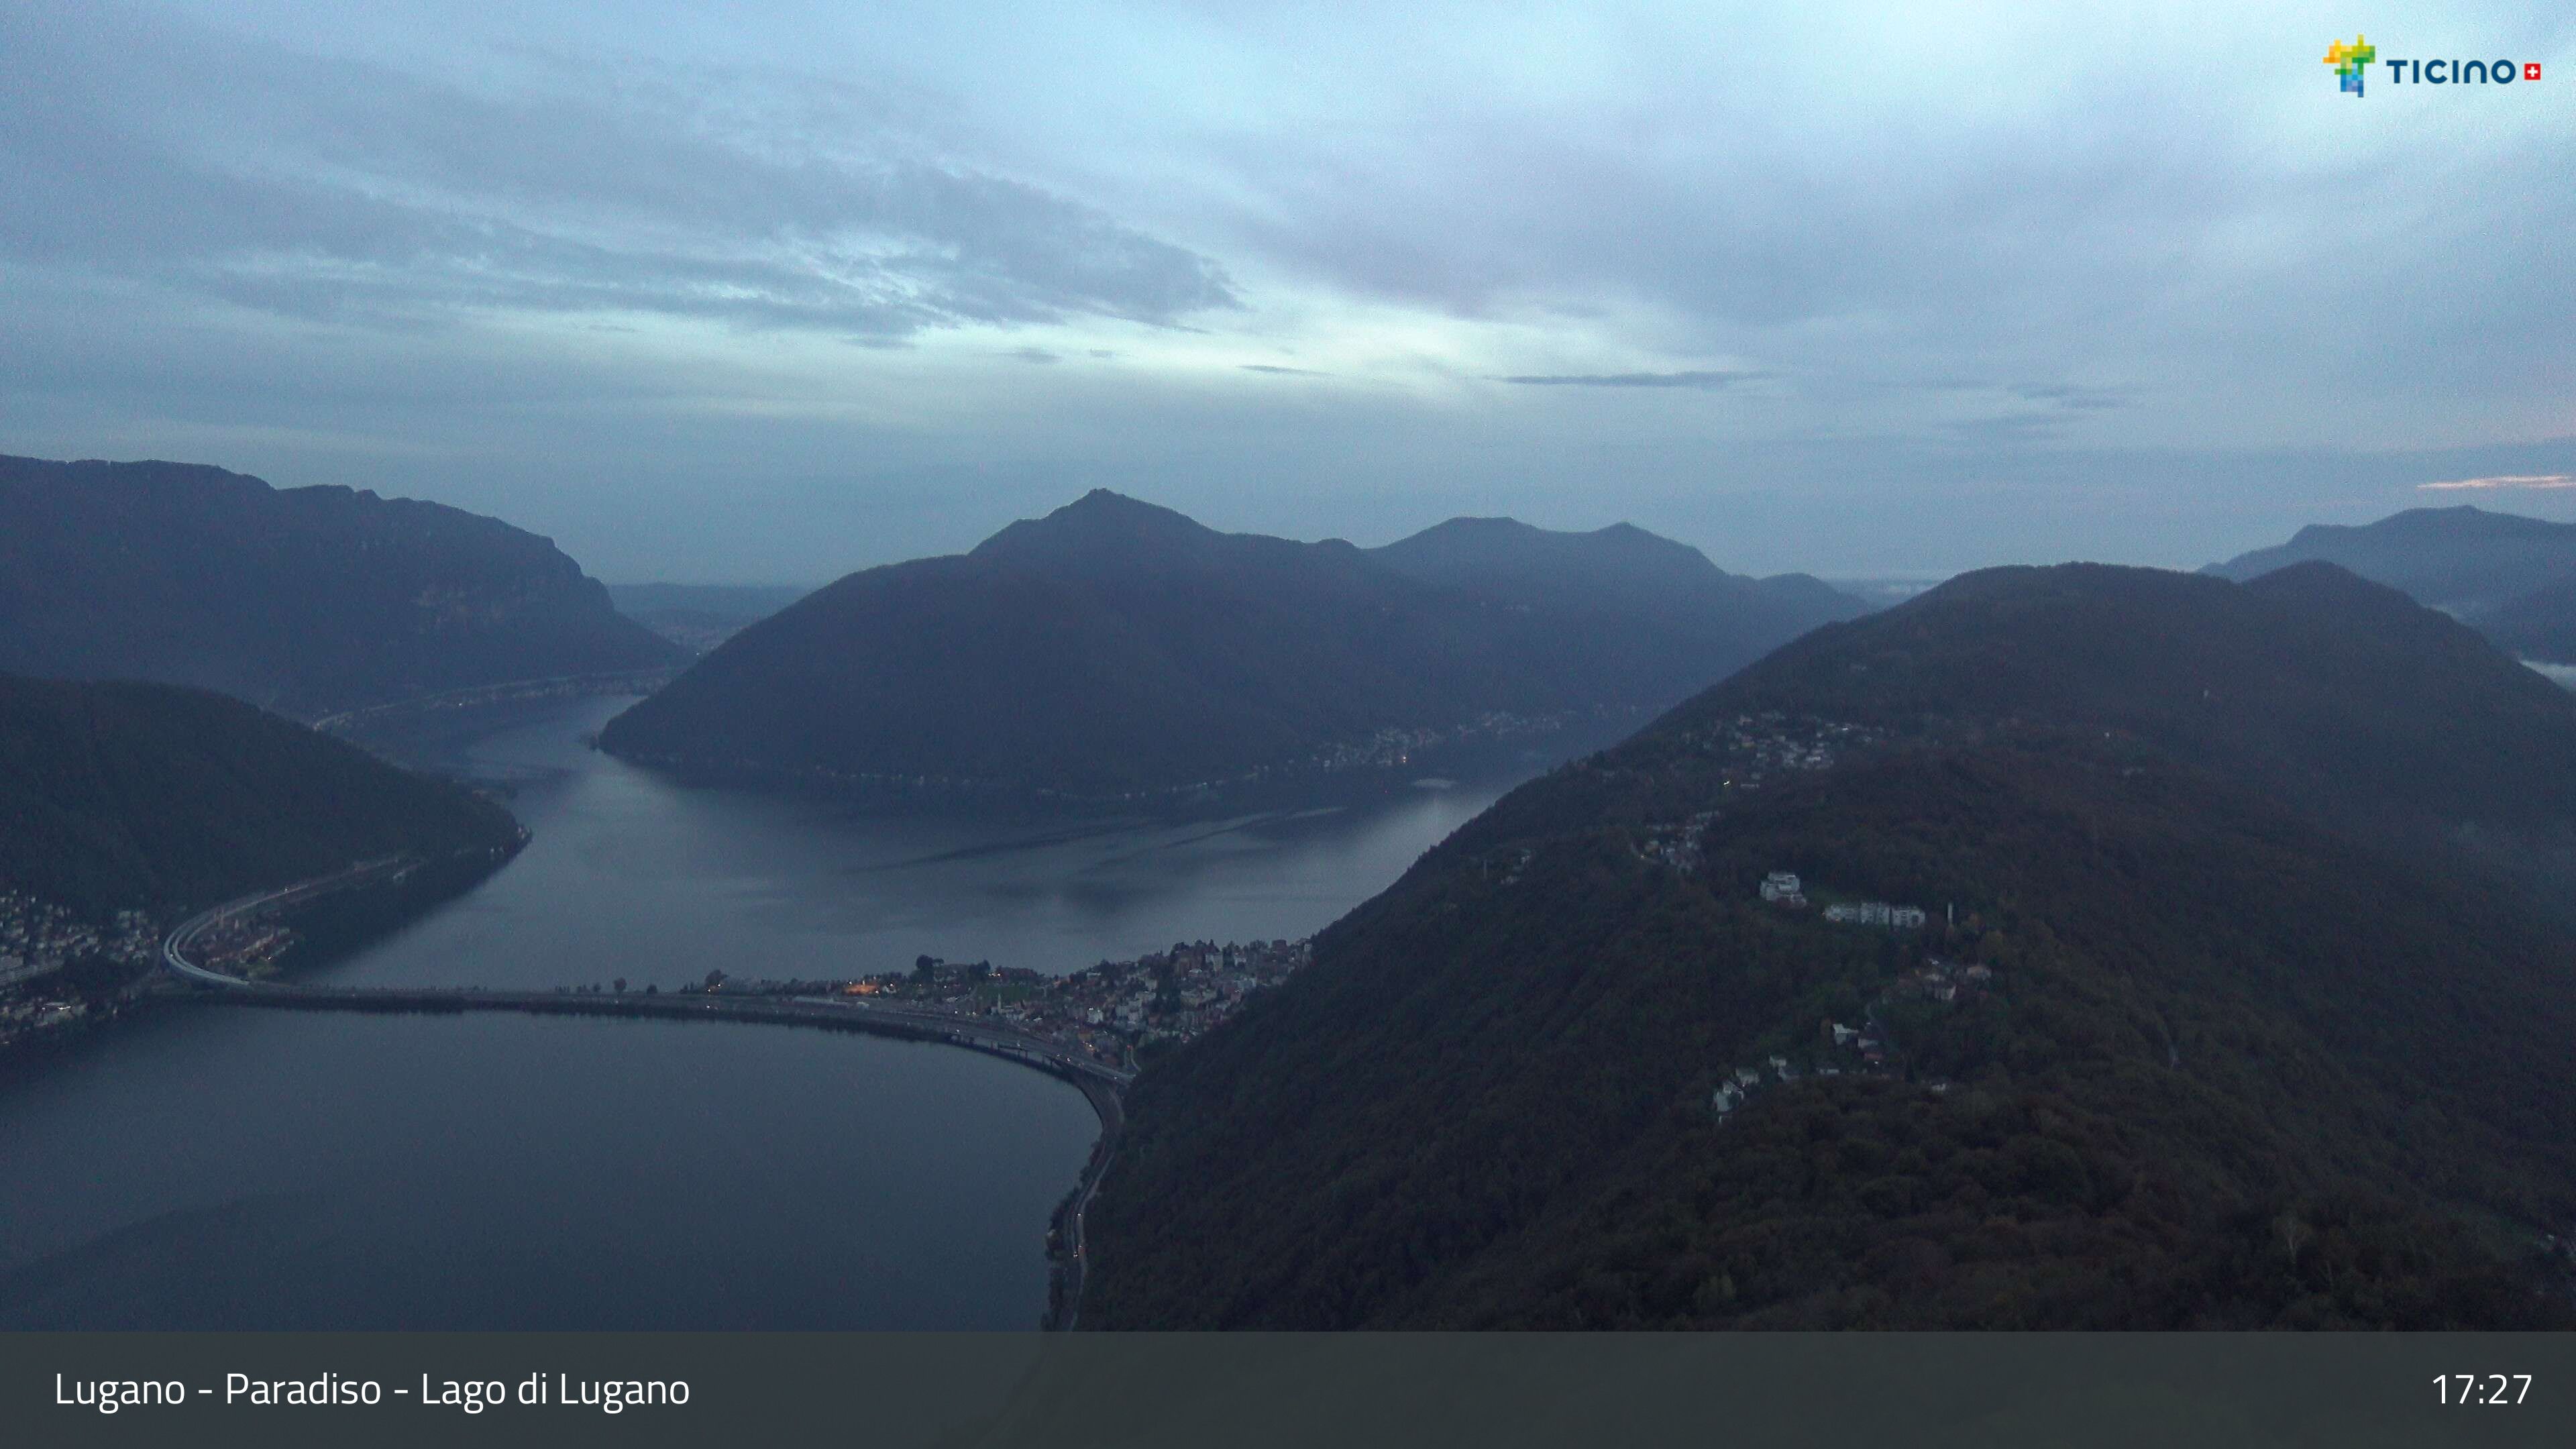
x,y
318,187
1981,279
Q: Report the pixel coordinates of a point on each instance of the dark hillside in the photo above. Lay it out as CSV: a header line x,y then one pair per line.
x,y
2309,682
149,797
2539,625
1114,647
308,601
2511,577
2223,1059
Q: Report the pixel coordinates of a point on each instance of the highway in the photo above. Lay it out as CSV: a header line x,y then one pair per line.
x,y
174,948
497,691
1100,1084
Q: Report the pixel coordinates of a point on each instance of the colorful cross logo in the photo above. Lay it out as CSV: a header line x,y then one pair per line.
x,y
2350,61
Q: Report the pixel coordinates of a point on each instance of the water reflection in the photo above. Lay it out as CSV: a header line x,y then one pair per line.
x,y
224,1168
633,874
212,1167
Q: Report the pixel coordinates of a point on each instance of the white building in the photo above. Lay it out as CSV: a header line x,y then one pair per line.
x,y
1875,913
1781,885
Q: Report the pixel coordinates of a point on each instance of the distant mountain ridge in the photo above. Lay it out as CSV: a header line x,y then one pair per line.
x,y
306,600
698,617
2227,1033
1116,647
1618,565
2514,578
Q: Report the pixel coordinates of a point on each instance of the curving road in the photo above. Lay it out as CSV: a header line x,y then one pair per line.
x,y
836,1012
175,947
1100,1084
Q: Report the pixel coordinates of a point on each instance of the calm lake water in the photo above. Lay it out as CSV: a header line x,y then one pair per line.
x,y
221,1167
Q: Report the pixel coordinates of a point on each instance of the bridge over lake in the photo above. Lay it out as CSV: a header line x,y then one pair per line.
x,y
1100,1084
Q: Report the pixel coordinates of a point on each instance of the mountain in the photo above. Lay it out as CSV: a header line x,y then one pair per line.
x,y
1612,578
1619,566
1115,647
2513,577
2335,693
698,617
307,601
2538,625
148,797
2208,1024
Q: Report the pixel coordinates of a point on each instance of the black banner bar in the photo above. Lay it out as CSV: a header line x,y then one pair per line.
x,y
1344,1391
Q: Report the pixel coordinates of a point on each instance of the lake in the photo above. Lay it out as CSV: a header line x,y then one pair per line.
x,y
215,1167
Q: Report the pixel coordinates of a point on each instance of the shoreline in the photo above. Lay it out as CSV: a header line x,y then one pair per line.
x,y
1102,1087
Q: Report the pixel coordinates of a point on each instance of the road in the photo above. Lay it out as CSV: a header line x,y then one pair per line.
x,y
1077,1257
499,690
1101,1085
175,947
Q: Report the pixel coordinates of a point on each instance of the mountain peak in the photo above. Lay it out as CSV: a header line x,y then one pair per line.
x,y
1100,527
2324,580
2455,524
1113,646
1112,501
1617,561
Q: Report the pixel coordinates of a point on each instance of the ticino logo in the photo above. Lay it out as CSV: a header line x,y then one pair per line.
x,y
2352,59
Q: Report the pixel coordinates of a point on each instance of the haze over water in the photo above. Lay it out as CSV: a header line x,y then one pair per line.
x,y
224,1167
634,875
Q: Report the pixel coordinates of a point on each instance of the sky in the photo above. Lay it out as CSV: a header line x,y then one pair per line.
x,y
770,292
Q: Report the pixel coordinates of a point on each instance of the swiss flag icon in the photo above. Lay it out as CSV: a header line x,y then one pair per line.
x,y
2531,71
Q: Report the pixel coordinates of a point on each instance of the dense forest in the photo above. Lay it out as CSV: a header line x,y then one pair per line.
x,y
152,797
306,600
1115,647
2334,693
2209,1022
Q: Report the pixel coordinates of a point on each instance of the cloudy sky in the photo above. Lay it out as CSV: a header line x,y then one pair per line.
x,y
770,292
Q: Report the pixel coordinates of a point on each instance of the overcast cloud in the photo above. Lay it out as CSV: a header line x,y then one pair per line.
x,y
780,291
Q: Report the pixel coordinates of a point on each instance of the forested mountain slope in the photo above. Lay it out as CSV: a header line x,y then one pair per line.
x,y
150,797
2223,1033
307,601
1114,647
